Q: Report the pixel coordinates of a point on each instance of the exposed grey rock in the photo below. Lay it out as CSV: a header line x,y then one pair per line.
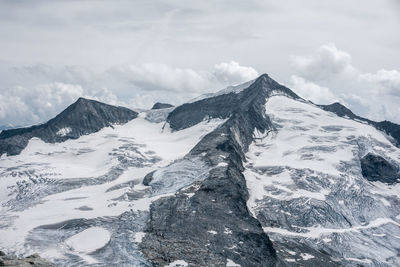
x,y
209,222
376,168
33,260
223,106
390,128
158,115
119,251
82,117
148,178
159,105
340,110
201,215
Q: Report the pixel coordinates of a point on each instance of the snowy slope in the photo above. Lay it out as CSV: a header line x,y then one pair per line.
x,y
306,187
253,175
51,193
230,89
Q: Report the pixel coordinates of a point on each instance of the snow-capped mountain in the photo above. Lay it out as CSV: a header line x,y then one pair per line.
x,y
251,176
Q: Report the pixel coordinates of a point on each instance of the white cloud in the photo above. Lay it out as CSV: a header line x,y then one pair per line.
x,y
232,73
158,77
386,81
32,94
311,91
329,71
327,63
22,105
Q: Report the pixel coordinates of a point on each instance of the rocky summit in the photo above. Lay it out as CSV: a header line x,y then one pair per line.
x,y
83,117
253,175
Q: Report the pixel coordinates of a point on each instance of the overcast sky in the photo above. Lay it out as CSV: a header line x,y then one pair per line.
x,y
136,52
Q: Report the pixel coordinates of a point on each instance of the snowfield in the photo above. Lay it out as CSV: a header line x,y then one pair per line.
x,y
89,240
306,186
86,202
71,192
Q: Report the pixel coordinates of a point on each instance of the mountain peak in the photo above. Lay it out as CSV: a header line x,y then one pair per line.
x,y
160,105
83,117
339,109
227,102
264,77
269,86
85,101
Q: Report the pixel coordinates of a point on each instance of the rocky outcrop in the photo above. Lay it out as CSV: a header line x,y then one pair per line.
x,y
208,223
82,117
31,261
389,128
223,106
376,168
159,105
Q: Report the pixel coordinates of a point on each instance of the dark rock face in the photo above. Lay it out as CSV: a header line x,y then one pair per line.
x,y
387,127
223,106
208,223
33,260
159,105
82,117
375,168
339,110
148,178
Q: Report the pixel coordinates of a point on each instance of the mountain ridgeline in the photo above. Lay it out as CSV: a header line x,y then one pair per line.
x,y
81,118
220,202
223,106
270,181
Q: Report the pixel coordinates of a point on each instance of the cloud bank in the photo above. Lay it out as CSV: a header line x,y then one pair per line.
x,y
329,74
34,94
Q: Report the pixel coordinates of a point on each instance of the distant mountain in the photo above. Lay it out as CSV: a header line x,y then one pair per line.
x,y
230,89
390,128
253,175
82,117
159,105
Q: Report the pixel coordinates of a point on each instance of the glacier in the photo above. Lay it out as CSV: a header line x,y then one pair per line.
x,y
253,175
308,173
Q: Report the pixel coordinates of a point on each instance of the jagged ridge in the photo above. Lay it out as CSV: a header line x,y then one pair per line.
x,y
223,106
82,117
175,232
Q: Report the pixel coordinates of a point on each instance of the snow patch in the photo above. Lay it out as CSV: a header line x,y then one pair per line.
x,y
306,256
178,263
230,89
227,231
231,263
64,131
139,237
385,202
317,232
89,240
145,146
359,260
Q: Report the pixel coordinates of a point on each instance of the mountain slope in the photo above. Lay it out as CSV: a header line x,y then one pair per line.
x,y
390,128
256,176
309,172
82,117
208,222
